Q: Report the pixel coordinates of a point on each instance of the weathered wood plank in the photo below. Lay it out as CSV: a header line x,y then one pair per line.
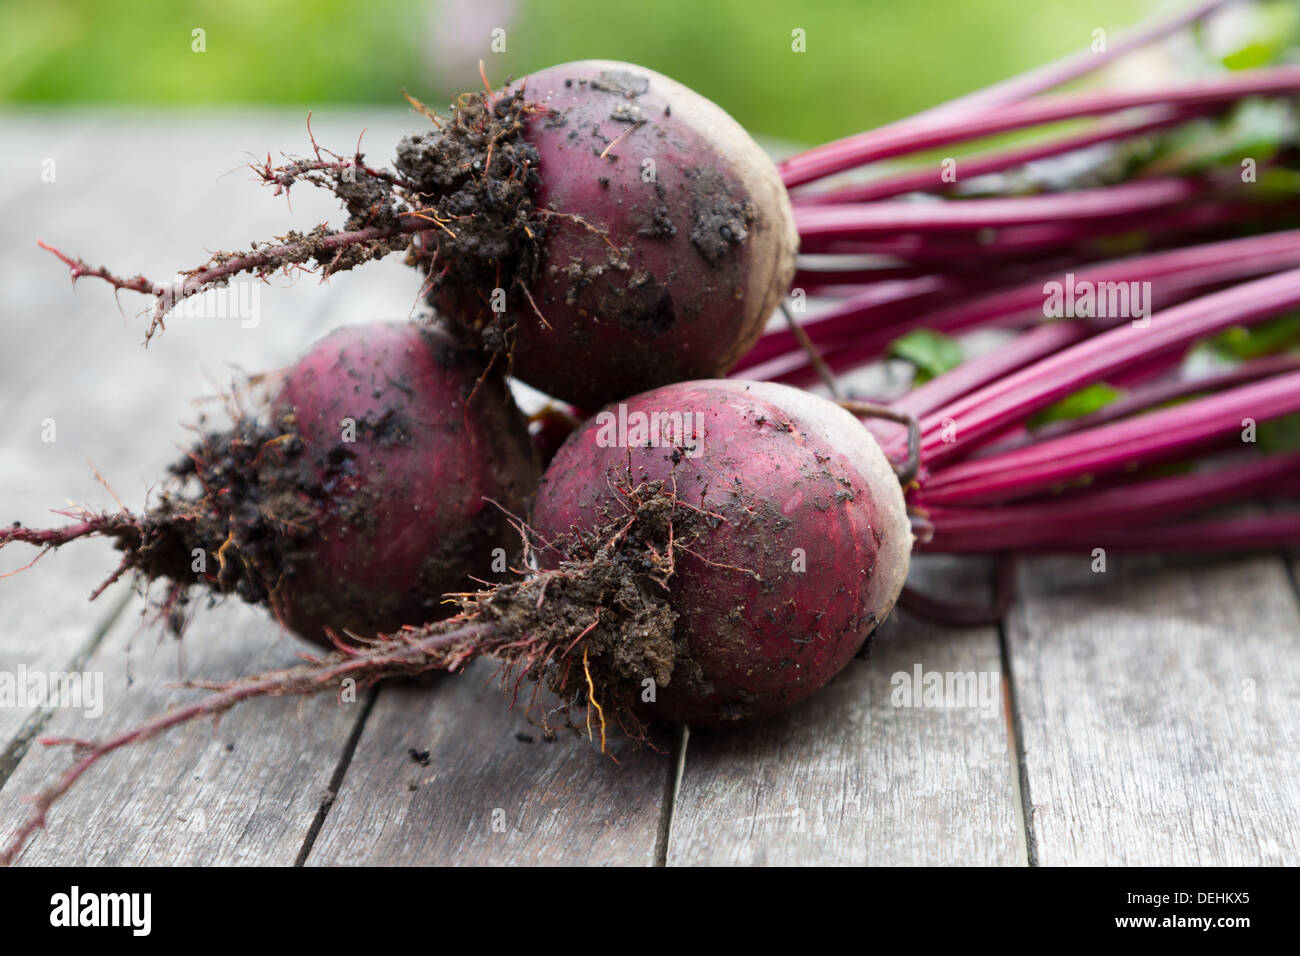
x,y
850,778
1157,705
246,792
493,790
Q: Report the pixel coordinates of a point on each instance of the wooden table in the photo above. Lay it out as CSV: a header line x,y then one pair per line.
x,y
1148,714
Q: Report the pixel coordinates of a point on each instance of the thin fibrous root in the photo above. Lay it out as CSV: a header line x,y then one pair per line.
x,y
321,246
442,645
409,209
124,527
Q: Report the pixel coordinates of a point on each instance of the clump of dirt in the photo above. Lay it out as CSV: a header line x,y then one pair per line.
x,y
239,517
719,220
471,180
599,625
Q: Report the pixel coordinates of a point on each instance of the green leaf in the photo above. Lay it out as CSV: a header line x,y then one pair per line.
x,y
1267,30
1241,342
1276,183
1279,434
1076,405
933,353
1250,56
1122,243
1254,128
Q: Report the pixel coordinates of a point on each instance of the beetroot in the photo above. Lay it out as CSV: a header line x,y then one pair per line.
x,y
667,238
805,557
404,513
599,228
356,504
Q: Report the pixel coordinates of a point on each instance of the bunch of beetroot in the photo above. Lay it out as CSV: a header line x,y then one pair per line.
x,y
703,549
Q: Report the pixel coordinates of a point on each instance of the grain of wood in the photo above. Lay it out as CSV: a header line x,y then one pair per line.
x,y
1158,704
245,792
493,791
848,777
47,618
78,387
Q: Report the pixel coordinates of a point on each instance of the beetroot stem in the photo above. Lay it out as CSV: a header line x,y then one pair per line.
x,y
1154,394
943,129
1128,505
882,304
853,220
859,328
951,249
1030,346
983,412
1257,533
1150,438
928,179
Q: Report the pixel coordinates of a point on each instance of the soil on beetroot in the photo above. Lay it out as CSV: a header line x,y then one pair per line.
x,y
471,181
237,518
595,627
600,617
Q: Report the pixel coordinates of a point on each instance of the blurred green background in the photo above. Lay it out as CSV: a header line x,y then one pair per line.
x,y
867,61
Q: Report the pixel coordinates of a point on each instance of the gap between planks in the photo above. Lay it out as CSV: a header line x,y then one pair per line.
x,y
18,745
1157,713
848,777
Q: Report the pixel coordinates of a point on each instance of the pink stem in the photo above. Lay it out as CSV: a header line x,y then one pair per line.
x,y
1014,397
943,129
882,304
1150,438
1153,394
1028,347
856,220
1262,533
930,178
850,337
956,251
1017,526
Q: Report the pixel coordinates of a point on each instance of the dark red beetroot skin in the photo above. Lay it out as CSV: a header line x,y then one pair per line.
x,y
788,470
405,520
710,239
